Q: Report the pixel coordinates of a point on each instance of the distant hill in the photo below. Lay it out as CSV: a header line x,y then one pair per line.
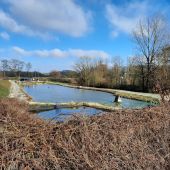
x,y
68,73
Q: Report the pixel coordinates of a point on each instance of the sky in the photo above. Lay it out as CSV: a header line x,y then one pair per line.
x,y
54,34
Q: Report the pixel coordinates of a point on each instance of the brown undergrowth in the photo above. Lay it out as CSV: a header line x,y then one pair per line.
x,y
127,139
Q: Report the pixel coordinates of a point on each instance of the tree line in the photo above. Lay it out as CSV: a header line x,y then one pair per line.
x,y
150,65
14,68
147,68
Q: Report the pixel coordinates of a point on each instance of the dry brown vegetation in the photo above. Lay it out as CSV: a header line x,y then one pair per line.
x,y
126,139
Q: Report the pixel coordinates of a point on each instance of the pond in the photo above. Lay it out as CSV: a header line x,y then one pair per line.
x,y
59,94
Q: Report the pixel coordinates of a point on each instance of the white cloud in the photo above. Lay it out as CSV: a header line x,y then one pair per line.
x,y
124,18
90,53
56,16
7,22
4,35
61,53
39,53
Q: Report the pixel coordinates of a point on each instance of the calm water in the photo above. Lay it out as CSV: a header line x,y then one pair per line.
x,y
63,113
57,94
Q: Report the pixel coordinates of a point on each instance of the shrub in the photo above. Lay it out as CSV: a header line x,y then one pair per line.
x,y
125,139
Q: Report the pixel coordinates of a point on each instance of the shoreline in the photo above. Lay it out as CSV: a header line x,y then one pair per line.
x,y
17,91
146,97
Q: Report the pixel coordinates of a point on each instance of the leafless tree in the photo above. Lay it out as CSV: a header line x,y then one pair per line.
x,y
116,71
55,74
150,38
84,68
5,66
16,66
28,67
100,72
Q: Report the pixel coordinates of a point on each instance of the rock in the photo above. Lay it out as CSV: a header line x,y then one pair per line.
x,y
117,99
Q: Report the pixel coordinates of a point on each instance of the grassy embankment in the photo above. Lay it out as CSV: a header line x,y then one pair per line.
x,y
123,139
4,88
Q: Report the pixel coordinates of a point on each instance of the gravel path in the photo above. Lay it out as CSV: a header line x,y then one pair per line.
x,y
16,92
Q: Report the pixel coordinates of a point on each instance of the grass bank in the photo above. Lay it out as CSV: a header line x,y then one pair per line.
x,y
123,139
4,88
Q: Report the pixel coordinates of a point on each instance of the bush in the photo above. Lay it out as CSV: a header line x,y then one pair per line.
x,y
63,80
125,139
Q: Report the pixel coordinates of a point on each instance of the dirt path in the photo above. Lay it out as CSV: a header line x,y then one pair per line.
x,y
16,92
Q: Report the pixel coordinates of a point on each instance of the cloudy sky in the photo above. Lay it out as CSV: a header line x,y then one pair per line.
x,y
53,34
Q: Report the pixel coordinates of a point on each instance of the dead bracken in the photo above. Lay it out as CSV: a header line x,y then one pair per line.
x,y
123,139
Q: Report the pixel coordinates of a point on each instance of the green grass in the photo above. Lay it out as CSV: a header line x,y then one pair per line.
x,y
4,88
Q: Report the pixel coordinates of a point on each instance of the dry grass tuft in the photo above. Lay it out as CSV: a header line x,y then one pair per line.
x,y
138,139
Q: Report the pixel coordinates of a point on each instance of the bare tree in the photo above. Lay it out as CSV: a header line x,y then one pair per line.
x,y
5,66
55,74
28,67
136,72
150,38
100,72
16,66
116,71
84,68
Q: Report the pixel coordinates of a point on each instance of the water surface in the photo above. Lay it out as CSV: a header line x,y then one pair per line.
x,y
63,113
58,94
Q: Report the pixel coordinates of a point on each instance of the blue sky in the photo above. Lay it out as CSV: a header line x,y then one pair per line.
x,y
54,34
